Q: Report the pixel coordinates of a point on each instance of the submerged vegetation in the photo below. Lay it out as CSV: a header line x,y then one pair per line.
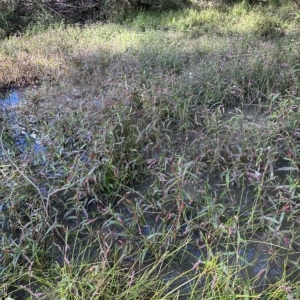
x,y
156,158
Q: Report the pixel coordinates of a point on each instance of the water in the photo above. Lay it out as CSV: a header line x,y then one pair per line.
x,y
10,101
264,256
23,141
262,259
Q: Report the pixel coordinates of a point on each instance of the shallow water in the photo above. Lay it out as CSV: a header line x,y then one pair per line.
x,y
266,256
262,259
23,141
9,101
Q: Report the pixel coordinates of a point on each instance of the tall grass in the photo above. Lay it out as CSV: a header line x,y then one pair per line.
x,y
170,159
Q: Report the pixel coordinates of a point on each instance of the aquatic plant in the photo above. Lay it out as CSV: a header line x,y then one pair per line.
x,y
134,171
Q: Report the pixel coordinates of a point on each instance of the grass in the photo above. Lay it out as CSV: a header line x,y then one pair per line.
x,y
170,167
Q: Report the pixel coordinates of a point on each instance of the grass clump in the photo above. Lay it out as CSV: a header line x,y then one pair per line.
x,y
132,170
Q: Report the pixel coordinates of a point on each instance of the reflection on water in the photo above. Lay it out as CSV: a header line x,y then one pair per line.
x,y
9,101
23,141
